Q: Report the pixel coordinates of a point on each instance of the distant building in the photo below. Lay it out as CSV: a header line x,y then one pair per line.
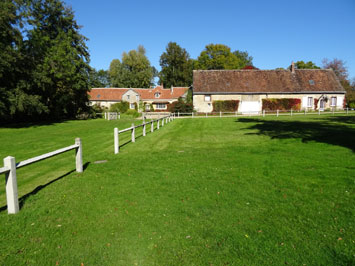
x,y
250,87
158,97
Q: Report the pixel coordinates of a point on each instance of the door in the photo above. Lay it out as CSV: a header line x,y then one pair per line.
x,y
250,107
321,105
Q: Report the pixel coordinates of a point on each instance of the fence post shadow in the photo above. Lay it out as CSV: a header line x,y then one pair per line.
x,y
23,199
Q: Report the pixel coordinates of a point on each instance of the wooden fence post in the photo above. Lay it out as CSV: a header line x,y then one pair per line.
x,y
319,111
117,141
347,110
333,110
162,122
144,129
178,114
263,113
305,111
277,112
105,115
79,156
158,124
119,115
11,186
151,126
133,133
220,114
192,114
291,111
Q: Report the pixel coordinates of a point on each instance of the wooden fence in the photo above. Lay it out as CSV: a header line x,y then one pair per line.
x,y
263,113
10,167
117,132
112,115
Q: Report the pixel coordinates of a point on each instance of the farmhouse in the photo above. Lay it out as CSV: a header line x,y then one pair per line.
x,y
157,97
312,89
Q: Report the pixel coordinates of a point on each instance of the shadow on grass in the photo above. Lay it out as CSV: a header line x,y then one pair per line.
x,y
23,199
320,131
30,124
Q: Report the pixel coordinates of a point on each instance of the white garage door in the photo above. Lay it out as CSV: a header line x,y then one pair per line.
x,y
250,107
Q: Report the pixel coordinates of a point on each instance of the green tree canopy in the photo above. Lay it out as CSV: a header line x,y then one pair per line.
x,y
176,66
134,71
306,65
220,56
48,61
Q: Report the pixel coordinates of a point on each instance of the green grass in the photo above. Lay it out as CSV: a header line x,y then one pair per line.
x,y
246,191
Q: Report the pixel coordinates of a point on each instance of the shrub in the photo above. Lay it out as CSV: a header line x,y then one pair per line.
x,y
281,104
180,106
120,107
132,112
225,106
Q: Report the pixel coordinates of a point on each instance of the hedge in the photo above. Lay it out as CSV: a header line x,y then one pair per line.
x,y
225,106
281,104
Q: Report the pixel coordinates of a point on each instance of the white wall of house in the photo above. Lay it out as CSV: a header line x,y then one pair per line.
x,y
104,104
253,103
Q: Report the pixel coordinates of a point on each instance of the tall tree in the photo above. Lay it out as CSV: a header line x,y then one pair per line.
x,y
306,65
338,67
244,58
44,71
220,56
341,71
176,66
99,79
134,71
59,58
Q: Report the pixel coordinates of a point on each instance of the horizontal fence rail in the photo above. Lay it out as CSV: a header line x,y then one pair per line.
x,y
159,122
263,113
10,167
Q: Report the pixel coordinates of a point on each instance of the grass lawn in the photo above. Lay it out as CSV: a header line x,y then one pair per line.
x,y
218,191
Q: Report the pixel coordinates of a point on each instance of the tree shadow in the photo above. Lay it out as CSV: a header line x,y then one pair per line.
x,y
320,131
23,199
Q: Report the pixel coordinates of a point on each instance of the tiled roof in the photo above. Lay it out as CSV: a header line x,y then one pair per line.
x,y
115,94
265,81
106,94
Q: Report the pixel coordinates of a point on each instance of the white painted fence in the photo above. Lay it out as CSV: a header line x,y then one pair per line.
x,y
10,167
263,113
112,115
117,132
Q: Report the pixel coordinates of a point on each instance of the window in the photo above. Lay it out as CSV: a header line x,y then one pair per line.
x,y
128,97
157,95
311,82
207,98
98,96
147,107
132,106
160,106
333,101
310,102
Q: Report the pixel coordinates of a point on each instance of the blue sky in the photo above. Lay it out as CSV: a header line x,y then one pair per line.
x,y
273,32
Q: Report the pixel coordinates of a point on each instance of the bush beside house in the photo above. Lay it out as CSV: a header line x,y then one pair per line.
x,y
225,106
281,104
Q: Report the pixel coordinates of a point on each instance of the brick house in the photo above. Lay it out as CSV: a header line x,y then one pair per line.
x,y
250,87
158,97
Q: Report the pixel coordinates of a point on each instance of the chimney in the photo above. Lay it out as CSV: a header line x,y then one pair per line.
x,y
172,89
162,85
292,67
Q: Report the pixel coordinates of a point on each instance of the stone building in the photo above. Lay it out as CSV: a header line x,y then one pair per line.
x,y
250,87
158,97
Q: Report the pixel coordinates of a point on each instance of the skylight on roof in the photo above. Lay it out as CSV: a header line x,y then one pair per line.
x,y
98,96
311,82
